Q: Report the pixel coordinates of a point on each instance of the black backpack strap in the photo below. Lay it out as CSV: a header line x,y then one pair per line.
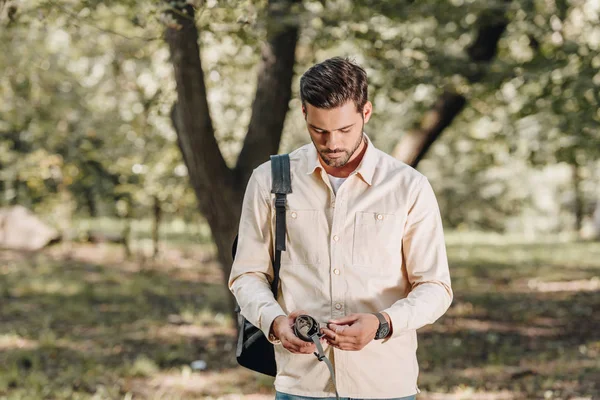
x,y
280,170
281,186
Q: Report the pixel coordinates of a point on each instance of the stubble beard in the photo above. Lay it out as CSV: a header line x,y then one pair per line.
x,y
341,161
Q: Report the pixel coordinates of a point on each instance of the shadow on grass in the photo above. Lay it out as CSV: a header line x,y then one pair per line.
x,y
500,334
72,328
66,321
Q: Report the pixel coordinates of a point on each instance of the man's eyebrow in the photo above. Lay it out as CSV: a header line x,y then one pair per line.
x,y
321,129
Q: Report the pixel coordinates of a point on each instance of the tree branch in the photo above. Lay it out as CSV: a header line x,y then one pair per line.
x,y
273,90
412,146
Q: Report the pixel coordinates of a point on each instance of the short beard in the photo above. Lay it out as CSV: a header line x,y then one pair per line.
x,y
340,162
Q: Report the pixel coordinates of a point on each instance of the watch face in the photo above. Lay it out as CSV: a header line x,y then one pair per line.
x,y
383,332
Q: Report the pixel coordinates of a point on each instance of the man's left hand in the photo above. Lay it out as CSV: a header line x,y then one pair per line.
x,y
352,332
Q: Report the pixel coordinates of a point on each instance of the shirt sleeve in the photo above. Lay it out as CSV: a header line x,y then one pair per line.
x,y
252,269
424,255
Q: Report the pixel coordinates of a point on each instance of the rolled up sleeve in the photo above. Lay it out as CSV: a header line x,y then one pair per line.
x,y
252,269
426,261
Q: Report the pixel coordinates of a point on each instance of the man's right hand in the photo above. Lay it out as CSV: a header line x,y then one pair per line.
x,y
282,328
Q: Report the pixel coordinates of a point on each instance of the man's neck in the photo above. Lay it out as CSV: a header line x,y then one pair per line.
x,y
346,170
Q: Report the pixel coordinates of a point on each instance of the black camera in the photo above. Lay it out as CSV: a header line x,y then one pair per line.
x,y
305,327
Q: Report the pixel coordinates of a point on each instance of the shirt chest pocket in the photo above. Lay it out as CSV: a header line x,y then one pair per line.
x,y
376,239
301,238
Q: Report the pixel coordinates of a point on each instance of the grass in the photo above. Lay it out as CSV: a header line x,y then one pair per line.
x,y
80,322
522,320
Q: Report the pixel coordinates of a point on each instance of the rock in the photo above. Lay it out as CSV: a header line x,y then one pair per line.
x,y
198,365
20,229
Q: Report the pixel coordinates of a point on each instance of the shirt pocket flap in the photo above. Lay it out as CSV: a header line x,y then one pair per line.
x,y
302,244
372,218
376,240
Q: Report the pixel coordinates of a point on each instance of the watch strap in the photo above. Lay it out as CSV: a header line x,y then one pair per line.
x,y
381,318
382,322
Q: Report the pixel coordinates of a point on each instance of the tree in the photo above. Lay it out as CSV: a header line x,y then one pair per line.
x,y
220,189
82,113
413,145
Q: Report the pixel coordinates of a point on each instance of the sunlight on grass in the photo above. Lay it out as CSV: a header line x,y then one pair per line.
x,y
82,322
142,366
11,341
45,285
585,285
206,317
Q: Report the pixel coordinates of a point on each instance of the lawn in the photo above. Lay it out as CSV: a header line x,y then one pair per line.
x,y
78,321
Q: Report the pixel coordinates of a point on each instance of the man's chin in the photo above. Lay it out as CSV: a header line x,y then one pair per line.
x,y
335,162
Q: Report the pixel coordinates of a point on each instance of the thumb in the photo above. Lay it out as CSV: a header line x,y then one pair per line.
x,y
348,319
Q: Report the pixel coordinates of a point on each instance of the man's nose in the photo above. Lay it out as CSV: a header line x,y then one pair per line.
x,y
333,141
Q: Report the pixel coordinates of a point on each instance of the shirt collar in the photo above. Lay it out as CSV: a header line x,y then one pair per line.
x,y
365,169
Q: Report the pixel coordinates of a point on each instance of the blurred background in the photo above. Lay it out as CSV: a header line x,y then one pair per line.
x,y
128,131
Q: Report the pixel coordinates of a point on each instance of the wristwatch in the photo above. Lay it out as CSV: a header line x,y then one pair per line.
x,y
384,327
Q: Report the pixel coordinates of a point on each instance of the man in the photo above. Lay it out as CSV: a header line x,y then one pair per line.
x,y
365,251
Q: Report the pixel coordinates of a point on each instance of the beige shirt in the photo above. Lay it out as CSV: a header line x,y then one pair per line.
x,y
377,245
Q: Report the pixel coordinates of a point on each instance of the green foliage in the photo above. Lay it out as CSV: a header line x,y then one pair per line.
x,y
85,111
87,89
531,111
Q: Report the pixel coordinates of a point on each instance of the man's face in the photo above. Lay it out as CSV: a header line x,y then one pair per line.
x,y
337,133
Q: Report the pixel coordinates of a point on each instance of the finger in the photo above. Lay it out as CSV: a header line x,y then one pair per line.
x,y
304,348
345,330
351,340
329,334
348,347
334,340
339,329
293,339
348,319
292,348
337,340
311,348
348,330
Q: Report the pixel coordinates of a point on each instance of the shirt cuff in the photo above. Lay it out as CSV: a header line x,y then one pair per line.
x,y
268,315
399,320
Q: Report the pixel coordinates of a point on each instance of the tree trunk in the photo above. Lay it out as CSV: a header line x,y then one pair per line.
x,y
412,146
578,207
156,226
270,105
220,190
16,199
127,228
596,217
90,199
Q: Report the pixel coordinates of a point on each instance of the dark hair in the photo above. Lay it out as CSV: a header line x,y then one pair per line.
x,y
333,82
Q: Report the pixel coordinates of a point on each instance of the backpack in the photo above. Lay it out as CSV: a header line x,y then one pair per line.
x,y
253,350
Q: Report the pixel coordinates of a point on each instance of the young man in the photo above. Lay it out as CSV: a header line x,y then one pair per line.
x,y
365,251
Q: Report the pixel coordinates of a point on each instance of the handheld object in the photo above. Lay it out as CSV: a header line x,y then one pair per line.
x,y
306,328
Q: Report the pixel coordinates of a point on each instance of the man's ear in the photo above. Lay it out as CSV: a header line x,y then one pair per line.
x,y
304,111
367,111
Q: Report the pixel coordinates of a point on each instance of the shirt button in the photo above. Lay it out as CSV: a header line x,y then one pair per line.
x,y
336,238
338,306
379,217
294,215
336,271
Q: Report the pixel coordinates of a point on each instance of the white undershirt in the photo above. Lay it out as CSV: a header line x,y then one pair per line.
x,y
336,182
